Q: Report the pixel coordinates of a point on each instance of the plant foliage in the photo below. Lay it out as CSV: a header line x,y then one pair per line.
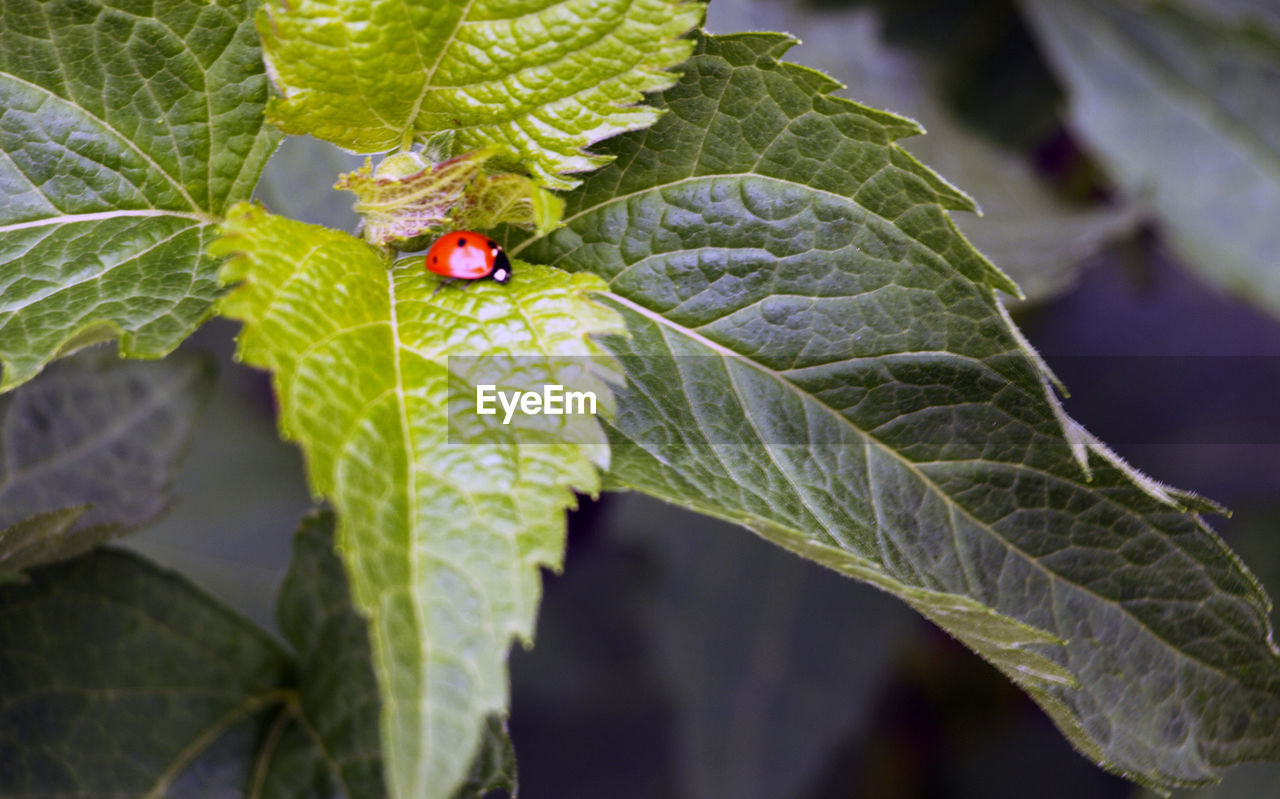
x,y
817,354
809,347
126,131
542,78
443,536
108,691
87,451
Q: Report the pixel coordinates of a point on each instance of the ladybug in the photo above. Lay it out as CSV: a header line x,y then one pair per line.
x,y
466,255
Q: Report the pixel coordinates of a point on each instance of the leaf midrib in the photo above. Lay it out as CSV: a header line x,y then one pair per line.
x,y
211,733
947,499
411,513
74,219
263,756
428,80
843,199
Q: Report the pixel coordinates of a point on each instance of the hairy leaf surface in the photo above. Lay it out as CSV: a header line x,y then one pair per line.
x,y
542,78
816,353
1178,99
126,130
87,451
443,527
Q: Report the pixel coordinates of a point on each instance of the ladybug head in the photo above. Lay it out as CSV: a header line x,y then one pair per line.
x,y
501,267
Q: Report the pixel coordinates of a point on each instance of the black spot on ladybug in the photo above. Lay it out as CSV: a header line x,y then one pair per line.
x,y
493,245
462,242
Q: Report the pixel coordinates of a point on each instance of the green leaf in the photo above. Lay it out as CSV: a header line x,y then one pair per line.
x,y
125,131
442,527
542,78
1035,236
45,538
98,652
494,768
816,353
121,679
494,200
337,694
1176,99
87,451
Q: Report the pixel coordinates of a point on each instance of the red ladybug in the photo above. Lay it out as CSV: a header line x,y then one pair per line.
x,y
468,256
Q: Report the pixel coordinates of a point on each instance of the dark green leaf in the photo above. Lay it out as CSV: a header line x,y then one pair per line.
x,y
123,680
854,391
337,691
494,768
126,129
87,451
1035,236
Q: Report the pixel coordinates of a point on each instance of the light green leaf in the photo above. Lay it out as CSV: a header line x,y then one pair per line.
x,y
494,200
817,354
1178,100
126,129
542,78
442,527
87,451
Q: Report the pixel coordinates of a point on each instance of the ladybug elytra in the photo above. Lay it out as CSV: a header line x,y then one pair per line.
x,y
467,255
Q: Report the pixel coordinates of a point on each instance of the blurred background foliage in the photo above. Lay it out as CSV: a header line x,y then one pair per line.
x,y
681,658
